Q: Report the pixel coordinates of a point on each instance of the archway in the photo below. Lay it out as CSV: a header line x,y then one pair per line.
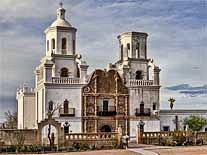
x,y
52,133
56,127
105,128
139,75
64,72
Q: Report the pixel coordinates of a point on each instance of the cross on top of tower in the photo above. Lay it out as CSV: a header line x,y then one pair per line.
x,y
61,4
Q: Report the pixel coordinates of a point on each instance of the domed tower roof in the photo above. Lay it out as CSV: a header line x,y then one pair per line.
x,y
61,21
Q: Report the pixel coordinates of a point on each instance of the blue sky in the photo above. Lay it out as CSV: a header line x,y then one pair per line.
x,y
177,41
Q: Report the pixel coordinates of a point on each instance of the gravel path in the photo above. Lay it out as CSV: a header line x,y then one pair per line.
x,y
99,152
190,150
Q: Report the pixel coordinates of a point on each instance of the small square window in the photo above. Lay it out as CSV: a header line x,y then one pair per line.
x,y
205,129
166,128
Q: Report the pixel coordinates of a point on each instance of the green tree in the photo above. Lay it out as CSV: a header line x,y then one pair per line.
x,y
11,120
195,123
171,102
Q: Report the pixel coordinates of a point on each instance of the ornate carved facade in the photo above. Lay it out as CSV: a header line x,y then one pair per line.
x,y
105,103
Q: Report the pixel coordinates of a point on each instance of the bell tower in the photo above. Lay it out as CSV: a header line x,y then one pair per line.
x,y
133,45
60,35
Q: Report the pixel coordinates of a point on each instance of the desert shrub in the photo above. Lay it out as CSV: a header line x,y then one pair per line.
x,y
115,145
84,146
199,141
76,146
174,141
35,148
188,142
179,140
11,148
46,148
23,149
168,141
3,149
93,147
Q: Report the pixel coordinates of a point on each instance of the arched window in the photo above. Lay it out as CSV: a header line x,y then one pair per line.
x,y
139,75
154,106
137,50
64,72
106,128
78,72
64,40
66,127
128,50
73,46
47,45
53,44
121,52
65,106
50,106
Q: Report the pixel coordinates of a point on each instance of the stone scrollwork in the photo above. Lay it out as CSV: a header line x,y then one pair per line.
x,y
87,90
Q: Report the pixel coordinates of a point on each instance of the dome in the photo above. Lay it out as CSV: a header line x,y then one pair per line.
x,y
60,22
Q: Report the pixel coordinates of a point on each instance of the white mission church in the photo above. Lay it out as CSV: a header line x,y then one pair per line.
x,y
124,94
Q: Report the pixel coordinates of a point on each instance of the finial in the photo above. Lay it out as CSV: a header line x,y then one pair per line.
x,y
61,4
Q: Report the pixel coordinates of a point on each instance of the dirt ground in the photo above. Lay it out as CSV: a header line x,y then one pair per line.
x,y
100,152
191,150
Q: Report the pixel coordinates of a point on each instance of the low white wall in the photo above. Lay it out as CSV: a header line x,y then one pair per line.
x,y
150,126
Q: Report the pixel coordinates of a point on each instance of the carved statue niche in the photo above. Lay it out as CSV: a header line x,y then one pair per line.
x,y
121,101
90,105
90,110
87,90
90,126
121,110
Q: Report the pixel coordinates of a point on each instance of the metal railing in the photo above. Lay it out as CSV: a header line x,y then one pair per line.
x,y
67,111
106,111
142,112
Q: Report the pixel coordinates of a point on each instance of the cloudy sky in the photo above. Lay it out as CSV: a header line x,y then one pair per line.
x,y
177,41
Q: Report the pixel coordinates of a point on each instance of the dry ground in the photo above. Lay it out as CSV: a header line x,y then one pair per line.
x,y
190,150
100,152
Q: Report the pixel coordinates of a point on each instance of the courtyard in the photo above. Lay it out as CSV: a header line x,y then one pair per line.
x,y
99,152
189,150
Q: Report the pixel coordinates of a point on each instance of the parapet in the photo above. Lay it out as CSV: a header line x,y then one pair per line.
x,y
24,89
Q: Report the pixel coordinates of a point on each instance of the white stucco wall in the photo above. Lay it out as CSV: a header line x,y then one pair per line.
x,y
57,34
20,119
141,66
68,63
149,97
29,111
150,126
58,94
70,36
167,118
25,109
39,104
